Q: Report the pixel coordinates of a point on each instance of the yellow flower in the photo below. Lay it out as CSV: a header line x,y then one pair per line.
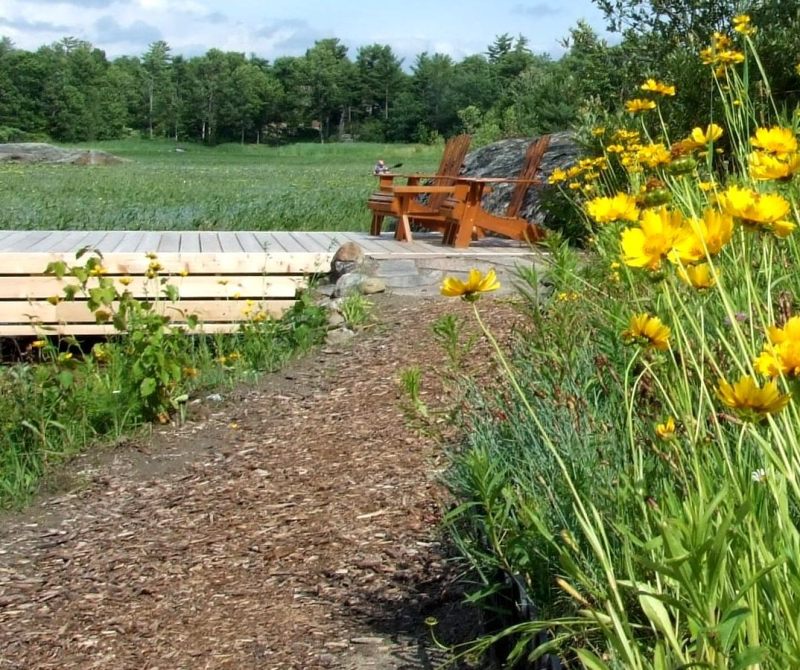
x,y
556,176
471,289
755,209
648,244
666,430
125,281
775,140
621,207
653,86
38,344
698,276
702,137
742,25
648,330
782,353
639,105
764,166
615,148
184,273
653,155
783,228
706,186
703,236
599,131
54,299
152,255
753,401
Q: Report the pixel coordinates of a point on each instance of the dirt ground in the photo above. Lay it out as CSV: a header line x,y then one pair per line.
x,y
291,525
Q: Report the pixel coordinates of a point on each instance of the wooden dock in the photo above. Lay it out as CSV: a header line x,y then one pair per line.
x,y
222,277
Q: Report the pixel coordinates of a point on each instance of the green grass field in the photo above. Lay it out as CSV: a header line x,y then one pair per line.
x,y
230,187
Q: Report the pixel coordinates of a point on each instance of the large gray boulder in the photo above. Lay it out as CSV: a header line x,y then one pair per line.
x,y
32,153
505,159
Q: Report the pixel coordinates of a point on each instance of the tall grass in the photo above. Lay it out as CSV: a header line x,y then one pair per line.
x,y
229,187
636,472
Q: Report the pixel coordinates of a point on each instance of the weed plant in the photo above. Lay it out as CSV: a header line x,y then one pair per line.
x,y
636,471
64,397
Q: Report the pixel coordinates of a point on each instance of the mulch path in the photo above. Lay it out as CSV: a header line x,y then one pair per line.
x,y
292,525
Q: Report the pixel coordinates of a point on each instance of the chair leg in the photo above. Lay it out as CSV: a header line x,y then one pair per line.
x,y
377,223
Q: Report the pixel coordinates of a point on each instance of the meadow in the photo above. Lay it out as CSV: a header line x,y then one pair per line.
x,y
228,187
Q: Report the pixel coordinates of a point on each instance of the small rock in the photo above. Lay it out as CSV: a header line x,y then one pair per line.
x,y
348,258
372,285
214,397
339,336
335,320
348,283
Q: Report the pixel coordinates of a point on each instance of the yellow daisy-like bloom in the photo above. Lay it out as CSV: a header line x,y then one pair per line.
x,y
752,400
647,245
38,344
648,330
702,137
701,237
471,289
653,155
666,430
615,148
776,140
742,25
556,176
126,281
653,86
764,166
639,105
697,276
783,228
621,207
624,135
599,131
782,353
756,209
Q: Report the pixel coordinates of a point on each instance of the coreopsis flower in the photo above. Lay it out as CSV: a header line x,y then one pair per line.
x,y
764,166
621,207
783,228
647,330
653,86
599,131
698,276
556,176
742,25
471,289
702,237
765,210
781,355
653,155
627,136
702,137
615,148
654,238
666,430
639,105
751,400
776,140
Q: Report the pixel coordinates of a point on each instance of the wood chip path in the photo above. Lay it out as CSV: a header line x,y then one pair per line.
x,y
292,525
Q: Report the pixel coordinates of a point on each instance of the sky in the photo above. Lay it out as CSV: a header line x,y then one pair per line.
x,y
270,28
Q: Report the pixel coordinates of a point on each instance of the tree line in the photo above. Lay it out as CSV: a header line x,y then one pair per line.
x,y
70,90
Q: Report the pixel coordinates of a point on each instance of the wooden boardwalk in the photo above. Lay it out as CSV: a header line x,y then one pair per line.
x,y
222,277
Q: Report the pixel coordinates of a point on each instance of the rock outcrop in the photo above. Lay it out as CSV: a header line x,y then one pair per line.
x,y
39,153
505,159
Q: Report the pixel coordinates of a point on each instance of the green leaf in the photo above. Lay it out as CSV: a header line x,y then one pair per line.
x,y
590,661
750,657
65,378
147,387
729,626
57,268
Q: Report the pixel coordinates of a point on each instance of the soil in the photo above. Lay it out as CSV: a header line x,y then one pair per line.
x,y
293,524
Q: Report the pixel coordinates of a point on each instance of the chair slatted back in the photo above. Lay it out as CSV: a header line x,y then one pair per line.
x,y
453,157
533,158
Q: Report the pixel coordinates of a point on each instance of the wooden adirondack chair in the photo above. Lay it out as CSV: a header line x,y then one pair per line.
x,y
466,216
402,200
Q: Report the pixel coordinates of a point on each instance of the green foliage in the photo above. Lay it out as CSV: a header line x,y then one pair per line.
x,y
355,309
228,187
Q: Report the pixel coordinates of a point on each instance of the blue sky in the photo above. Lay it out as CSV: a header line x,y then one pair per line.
x,y
287,28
